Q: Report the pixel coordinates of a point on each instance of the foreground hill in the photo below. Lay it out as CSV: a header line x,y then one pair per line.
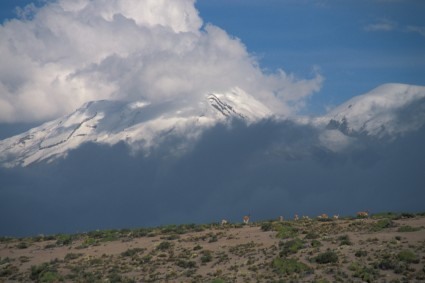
x,y
384,248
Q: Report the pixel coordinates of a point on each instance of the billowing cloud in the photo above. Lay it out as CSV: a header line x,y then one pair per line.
x,y
65,53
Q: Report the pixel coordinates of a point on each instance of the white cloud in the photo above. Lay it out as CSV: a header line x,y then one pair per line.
x,y
56,57
381,25
417,29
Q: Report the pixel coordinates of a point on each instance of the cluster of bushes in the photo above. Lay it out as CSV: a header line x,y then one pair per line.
x,y
243,249
45,272
291,247
396,215
286,230
398,262
344,240
290,266
407,228
132,252
382,224
326,257
365,273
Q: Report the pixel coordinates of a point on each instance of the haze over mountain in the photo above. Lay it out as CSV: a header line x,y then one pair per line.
x,y
111,164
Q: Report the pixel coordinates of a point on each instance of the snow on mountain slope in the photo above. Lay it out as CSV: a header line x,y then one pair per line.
x,y
387,111
139,124
376,112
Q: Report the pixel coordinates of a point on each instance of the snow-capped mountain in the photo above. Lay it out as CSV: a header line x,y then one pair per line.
x,y
140,124
386,113
377,113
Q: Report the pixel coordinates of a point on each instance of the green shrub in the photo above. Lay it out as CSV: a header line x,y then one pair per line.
x,y
367,274
386,264
104,236
186,263
171,237
360,253
132,252
327,257
63,240
316,243
50,276
407,215
289,266
382,224
344,240
324,219
266,226
197,247
22,245
291,247
8,270
286,231
164,246
243,249
213,239
44,272
312,235
408,256
24,258
71,256
87,243
388,215
408,228
206,256
5,239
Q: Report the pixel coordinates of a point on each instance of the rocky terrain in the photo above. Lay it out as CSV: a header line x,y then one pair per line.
x,y
386,247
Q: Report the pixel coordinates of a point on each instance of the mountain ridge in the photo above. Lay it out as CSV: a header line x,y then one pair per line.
x,y
143,125
140,123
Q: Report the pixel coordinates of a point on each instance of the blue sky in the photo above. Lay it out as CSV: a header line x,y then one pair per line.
x,y
356,45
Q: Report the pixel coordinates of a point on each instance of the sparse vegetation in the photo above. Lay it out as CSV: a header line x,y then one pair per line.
x,y
407,228
346,250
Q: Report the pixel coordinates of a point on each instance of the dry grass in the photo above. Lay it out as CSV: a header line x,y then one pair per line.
x,y
386,248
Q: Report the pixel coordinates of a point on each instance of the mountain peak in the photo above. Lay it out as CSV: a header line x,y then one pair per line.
x,y
135,123
375,113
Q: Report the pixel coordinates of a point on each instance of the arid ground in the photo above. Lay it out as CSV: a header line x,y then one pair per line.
x,y
387,247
